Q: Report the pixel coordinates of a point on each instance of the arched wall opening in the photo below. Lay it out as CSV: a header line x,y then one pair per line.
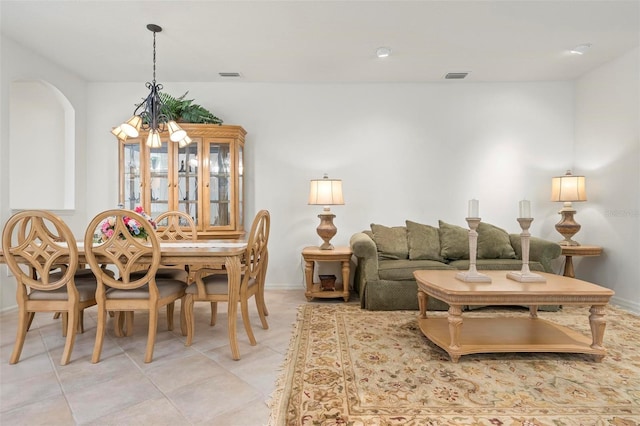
x,y
41,147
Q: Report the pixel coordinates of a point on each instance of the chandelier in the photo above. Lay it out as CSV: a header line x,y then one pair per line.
x,y
152,115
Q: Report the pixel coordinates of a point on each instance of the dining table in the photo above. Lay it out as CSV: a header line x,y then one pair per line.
x,y
227,254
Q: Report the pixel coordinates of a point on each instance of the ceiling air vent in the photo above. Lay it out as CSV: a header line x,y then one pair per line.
x,y
456,75
229,74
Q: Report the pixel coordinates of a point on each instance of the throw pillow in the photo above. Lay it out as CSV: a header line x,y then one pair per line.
x,y
390,242
494,243
454,241
424,242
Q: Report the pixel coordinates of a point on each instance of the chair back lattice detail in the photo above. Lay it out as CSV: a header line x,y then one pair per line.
x,y
123,250
42,242
174,229
256,255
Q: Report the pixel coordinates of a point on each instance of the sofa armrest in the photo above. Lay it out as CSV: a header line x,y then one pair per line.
x,y
365,250
540,250
367,253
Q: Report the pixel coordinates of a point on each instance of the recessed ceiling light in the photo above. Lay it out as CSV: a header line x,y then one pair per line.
x,y
383,52
580,49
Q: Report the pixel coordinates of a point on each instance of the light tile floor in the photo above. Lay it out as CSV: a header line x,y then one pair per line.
x,y
193,385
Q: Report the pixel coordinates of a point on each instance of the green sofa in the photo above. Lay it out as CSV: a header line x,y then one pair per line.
x,y
388,256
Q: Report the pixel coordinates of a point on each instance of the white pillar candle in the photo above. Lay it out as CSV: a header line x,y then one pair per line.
x,y
525,209
474,208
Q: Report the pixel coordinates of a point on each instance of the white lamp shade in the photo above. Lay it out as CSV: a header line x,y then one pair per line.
x,y
326,192
119,133
568,188
153,140
132,126
184,142
176,133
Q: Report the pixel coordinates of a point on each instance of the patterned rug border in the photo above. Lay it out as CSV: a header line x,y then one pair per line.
x,y
280,398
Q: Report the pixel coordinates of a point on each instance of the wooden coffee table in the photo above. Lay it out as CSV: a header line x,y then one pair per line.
x,y
510,334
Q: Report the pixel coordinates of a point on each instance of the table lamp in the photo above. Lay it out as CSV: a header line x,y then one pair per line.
x,y
568,188
326,192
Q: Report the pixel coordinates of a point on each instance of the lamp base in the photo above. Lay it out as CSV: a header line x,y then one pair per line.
x,y
568,227
326,230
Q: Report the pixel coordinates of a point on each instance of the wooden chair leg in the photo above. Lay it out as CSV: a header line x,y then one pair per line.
x,y
65,323
81,322
97,348
118,323
244,307
56,315
24,320
183,316
151,337
72,326
128,323
170,309
188,318
30,320
214,313
261,310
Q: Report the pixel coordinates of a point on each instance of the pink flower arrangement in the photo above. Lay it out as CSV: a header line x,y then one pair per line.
x,y
134,227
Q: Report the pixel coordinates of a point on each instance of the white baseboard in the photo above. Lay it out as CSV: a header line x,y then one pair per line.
x,y
283,286
626,304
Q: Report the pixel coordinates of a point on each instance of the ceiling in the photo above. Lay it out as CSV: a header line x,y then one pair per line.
x,y
324,41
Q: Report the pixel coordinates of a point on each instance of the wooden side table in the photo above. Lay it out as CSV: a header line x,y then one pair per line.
x,y
312,255
569,251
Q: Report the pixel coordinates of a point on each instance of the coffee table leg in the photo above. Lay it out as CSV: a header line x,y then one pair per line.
x,y
597,323
423,298
533,311
455,325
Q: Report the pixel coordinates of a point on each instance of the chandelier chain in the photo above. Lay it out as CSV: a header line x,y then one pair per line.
x,y
154,57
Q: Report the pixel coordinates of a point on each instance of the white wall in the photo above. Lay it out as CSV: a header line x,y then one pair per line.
x,y
404,151
608,154
19,64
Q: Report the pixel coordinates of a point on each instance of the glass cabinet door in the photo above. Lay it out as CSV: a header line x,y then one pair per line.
x,y
187,181
159,184
130,178
219,184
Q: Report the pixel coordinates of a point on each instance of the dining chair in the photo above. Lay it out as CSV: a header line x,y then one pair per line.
x,y
215,288
129,292
175,226
43,243
81,275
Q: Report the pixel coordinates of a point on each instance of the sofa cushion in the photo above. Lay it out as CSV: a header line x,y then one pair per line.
x,y
423,241
454,241
391,243
496,265
494,243
400,270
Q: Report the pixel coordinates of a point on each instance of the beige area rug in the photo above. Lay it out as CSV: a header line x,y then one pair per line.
x,y
348,366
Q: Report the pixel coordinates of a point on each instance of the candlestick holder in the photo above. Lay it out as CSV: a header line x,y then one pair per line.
x,y
472,275
525,275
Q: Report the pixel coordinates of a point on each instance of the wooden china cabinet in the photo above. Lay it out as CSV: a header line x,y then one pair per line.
x,y
205,179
